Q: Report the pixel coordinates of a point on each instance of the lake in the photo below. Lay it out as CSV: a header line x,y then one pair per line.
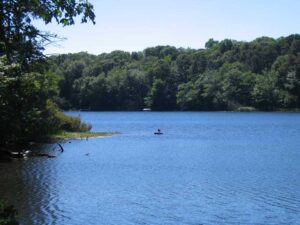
x,y
207,168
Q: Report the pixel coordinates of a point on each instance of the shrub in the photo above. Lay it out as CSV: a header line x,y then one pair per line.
x,y
58,121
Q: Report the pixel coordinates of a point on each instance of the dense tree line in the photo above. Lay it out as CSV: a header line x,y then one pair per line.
x,y
263,74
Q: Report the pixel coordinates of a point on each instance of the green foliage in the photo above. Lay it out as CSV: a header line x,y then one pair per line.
x,y
189,96
64,135
227,75
157,97
211,43
27,111
265,93
23,101
27,90
57,121
161,52
21,41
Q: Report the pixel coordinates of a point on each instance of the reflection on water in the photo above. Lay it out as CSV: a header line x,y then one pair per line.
x,y
207,168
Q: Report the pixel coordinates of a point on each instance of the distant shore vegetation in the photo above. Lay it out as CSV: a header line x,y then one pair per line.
x,y
263,74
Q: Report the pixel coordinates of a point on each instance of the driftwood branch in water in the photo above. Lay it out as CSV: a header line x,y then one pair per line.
x,y
61,148
7,153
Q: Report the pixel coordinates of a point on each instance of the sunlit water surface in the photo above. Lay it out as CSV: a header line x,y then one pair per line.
x,y
207,168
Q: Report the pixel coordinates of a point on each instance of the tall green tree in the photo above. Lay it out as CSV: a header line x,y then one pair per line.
x,y
27,89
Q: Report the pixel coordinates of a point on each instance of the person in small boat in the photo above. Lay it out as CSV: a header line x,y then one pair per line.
x,y
158,132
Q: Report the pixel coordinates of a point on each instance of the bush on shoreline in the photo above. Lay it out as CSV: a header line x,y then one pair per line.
x,y
28,111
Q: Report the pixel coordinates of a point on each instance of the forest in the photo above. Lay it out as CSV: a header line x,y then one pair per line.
x,y
263,74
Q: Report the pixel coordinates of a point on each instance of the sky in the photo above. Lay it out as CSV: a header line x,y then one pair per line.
x,y
133,25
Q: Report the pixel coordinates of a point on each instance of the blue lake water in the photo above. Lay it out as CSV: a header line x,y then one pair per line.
x,y
207,168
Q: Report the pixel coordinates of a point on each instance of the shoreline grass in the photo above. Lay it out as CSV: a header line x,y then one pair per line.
x,y
66,135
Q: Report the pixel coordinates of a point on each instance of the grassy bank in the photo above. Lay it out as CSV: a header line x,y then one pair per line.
x,y
65,135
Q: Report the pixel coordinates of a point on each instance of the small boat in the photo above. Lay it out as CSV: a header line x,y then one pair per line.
x,y
158,132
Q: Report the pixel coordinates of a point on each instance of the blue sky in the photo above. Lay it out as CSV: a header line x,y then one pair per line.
x,y
133,25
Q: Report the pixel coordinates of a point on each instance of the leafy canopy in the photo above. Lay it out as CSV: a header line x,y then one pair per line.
x,y
20,41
